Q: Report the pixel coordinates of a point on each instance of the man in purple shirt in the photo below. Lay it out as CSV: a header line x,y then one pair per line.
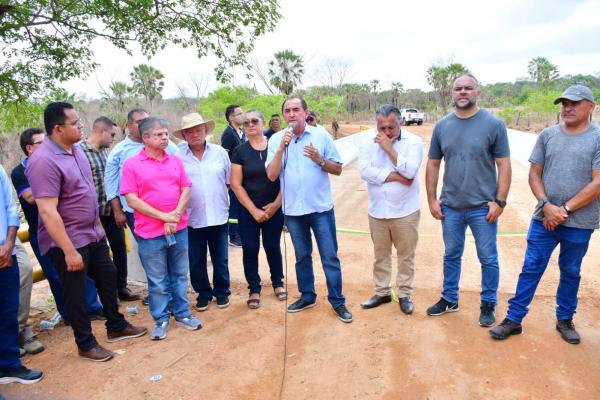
x,y
70,231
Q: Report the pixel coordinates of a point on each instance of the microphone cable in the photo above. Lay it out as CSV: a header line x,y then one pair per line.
x,y
285,323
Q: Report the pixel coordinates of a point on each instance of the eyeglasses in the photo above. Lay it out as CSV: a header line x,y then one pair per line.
x,y
159,134
78,121
253,121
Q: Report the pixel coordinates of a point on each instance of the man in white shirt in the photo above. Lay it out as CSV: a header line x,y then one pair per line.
x,y
390,166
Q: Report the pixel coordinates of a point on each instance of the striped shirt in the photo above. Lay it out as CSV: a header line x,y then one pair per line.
x,y
97,159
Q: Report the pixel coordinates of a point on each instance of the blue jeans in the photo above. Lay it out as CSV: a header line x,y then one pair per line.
x,y
56,286
540,245
215,238
454,226
323,227
250,232
9,326
234,206
167,270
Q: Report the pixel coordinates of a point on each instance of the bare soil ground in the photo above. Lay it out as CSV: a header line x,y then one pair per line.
x,y
383,354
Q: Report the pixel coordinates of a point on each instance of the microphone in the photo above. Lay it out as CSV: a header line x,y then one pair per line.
x,y
290,128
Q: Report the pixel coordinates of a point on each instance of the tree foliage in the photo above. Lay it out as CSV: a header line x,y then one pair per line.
x,y
286,71
148,82
44,42
441,79
542,71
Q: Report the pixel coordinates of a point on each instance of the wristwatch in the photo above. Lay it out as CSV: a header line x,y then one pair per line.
x,y
322,162
501,203
542,202
567,209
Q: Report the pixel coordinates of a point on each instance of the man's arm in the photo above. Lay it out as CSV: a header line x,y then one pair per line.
x,y
274,166
554,215
587,194
329,166
432,173
504,178
55,225
142,207
7,248
27,195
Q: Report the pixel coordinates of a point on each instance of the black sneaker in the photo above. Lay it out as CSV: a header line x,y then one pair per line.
x,y
20,375
300,305
442,307
235,242
567,331
343,314
505,329
97,315
223,302
202,304
487,317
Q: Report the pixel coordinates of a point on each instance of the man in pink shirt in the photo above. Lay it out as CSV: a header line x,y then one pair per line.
x,y
156,186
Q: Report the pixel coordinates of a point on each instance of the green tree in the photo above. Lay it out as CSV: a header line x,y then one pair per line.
x,y
394,95
117,100
441,79
44,42
542,71
286,71
147,82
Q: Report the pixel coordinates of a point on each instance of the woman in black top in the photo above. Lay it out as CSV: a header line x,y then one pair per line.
x,y
261,208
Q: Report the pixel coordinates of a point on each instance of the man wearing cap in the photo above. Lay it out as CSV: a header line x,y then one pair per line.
x,y
208,167
565,179
158,189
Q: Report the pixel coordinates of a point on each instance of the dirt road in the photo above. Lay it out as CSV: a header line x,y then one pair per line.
x,y
383,354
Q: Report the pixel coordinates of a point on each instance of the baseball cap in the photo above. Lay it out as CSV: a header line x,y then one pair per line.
x,y
576,93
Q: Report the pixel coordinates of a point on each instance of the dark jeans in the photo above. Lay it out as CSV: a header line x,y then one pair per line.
x,y
98,265
250,232
131,222
9,325
215,238
56,286
234,207
116,240
540,245
323,227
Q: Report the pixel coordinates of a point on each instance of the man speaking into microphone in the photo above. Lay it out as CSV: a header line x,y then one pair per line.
x,y
302,156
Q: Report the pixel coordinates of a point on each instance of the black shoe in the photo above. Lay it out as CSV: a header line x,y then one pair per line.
x,y
126,294
223,302
202,304
375,301
343,314
300,305
235,242
567,331
487,317
442,307
97,315
505,329
406,305
20,375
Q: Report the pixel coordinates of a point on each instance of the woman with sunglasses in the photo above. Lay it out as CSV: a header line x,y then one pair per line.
x,y
261,211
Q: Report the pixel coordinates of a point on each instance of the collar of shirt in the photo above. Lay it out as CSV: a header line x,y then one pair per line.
x,y
146,157
185,148
57,148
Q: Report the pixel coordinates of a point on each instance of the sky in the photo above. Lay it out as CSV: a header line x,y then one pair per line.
x,y
392,41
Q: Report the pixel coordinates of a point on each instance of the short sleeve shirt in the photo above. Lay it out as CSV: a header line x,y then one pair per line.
x,y
54,172
469,147
258,186
568,162
158,183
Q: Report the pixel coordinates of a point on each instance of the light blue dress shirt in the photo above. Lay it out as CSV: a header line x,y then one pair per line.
x,y
8,209
209,200
114,167
305,186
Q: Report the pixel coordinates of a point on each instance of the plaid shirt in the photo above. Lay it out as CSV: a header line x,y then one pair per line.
x,y
97,159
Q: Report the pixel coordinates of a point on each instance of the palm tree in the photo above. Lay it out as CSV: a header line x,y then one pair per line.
x,y
542,71
286,71
147,82
441,79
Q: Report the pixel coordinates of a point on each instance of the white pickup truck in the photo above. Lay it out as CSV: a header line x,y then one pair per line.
x,y
411,116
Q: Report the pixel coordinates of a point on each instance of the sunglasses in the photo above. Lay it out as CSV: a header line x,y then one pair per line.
x,y
253,121
310,119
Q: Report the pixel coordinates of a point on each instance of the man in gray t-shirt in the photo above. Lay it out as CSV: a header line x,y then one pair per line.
x,y
472,143
565,179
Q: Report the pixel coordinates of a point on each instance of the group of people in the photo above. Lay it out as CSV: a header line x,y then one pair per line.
x,y
179,199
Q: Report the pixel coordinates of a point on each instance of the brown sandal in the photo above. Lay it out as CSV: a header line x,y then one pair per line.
x,y
253,304
281,296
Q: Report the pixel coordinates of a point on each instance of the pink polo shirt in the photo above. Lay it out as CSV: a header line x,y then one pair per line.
x,y
159,184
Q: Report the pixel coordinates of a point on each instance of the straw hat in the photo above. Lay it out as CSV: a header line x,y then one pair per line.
x,y
191,120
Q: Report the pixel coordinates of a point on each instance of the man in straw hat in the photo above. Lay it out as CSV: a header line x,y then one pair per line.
x,y
565,179
208,167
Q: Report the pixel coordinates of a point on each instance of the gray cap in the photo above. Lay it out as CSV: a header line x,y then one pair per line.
x,y
576,93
